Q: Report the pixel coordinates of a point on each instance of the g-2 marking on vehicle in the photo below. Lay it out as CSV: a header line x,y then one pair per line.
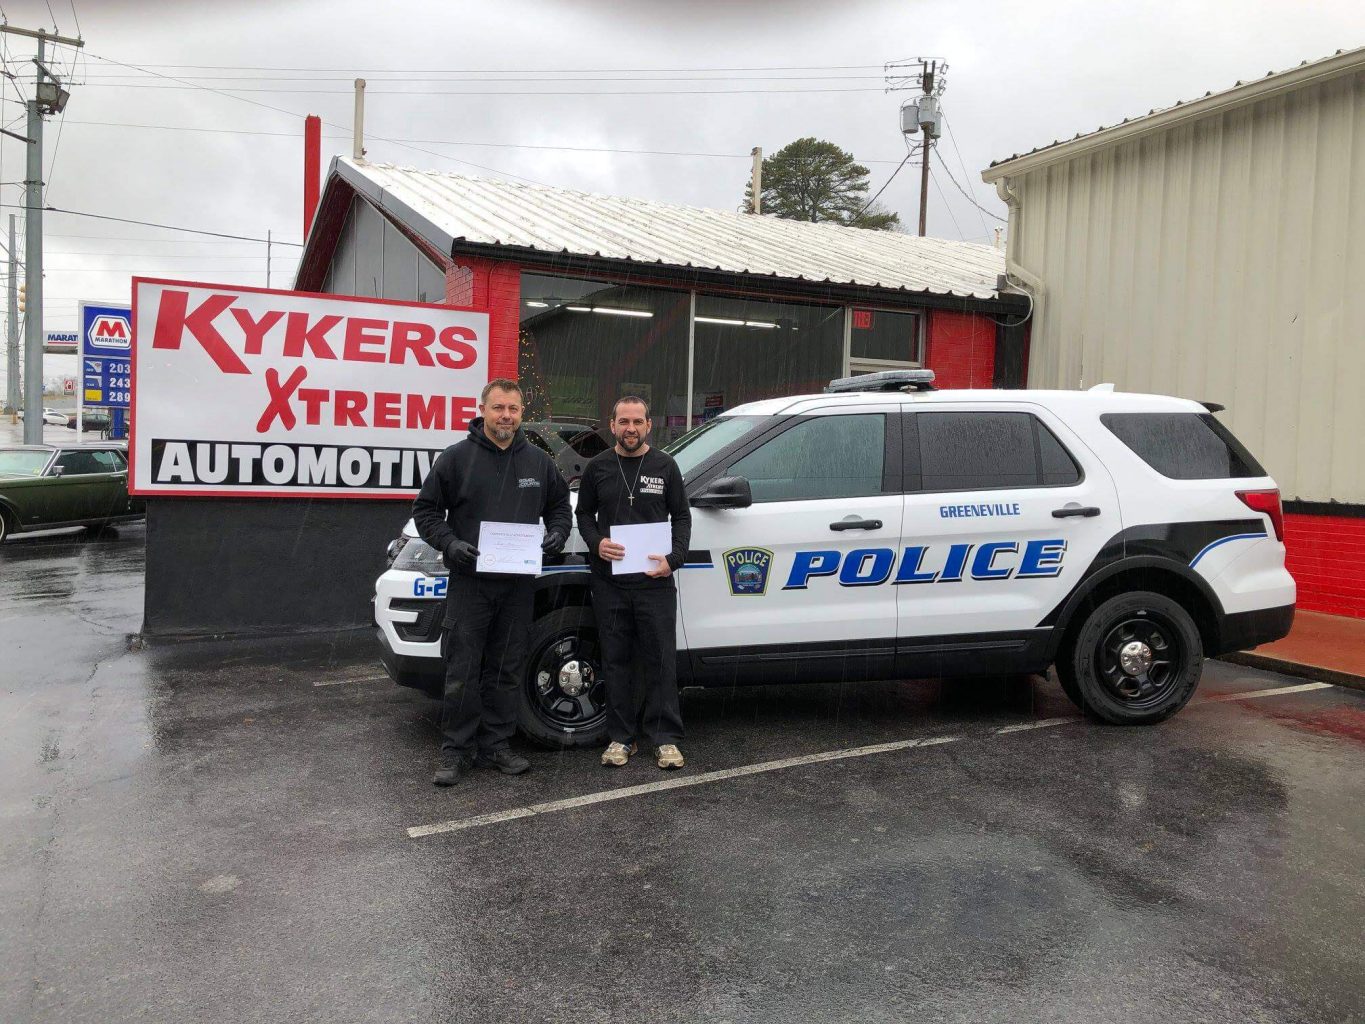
x,y
430,586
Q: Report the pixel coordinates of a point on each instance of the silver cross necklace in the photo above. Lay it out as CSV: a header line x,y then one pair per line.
x,y
630,491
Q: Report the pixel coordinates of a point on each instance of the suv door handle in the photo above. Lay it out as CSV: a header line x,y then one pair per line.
x,y
1073,511
856,524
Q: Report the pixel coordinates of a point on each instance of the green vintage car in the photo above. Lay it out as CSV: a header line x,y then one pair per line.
x,y
48,486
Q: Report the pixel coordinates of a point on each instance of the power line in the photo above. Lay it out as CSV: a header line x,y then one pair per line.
x,y
548,71
151,224
956,226
114,77
963,164
502,92
447,142
967,195
883,188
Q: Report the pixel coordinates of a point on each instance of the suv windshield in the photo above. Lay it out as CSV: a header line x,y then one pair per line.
x,y
23,463
700,443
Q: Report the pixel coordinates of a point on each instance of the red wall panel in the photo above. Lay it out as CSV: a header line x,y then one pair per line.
x,y
960,349
1324,555
495,286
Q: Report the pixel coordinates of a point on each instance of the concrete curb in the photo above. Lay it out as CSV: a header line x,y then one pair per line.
x,y
1296,668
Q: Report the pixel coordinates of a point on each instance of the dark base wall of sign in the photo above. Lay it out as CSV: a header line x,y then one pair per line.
x,y
220,566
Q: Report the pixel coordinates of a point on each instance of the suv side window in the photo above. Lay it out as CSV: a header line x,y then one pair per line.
x,y
977,451
822,457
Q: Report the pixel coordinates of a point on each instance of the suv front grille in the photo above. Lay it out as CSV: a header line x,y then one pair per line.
x,y
427,628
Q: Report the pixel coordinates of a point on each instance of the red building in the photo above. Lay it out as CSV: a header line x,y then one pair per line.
x,y
698,310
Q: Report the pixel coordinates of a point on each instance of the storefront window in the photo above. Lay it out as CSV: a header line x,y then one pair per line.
x,y
748,349
584,344
883,335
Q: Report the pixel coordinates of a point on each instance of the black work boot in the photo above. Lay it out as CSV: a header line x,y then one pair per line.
x,y
504,761
450,769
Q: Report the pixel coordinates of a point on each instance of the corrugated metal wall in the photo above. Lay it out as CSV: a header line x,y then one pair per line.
x,y
1221,259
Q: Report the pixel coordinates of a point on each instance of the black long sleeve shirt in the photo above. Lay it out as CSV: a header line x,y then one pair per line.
x,y
475,481
604,501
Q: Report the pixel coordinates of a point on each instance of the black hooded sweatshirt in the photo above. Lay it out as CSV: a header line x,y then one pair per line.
x,y
475,481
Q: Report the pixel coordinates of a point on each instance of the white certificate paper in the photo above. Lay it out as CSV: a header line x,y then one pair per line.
x,y
509,547
641,540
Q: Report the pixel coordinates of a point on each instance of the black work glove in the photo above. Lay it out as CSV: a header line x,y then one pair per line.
x,y
553,543
460,553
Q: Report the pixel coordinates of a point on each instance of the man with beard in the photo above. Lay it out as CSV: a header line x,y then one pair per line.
x,y
636,612
493,475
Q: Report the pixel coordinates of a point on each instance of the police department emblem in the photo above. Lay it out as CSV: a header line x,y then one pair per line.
x,y
748,570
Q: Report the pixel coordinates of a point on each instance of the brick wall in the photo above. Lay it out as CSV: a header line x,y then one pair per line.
x,y
495,286
960,349
1324,555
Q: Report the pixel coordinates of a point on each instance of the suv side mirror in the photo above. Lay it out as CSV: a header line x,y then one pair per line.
x,y
58,470
724,492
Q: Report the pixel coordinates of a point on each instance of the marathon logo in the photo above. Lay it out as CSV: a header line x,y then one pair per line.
x,y
991,561
214,464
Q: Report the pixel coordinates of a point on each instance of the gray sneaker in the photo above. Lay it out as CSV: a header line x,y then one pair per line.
x,y
670,756
617,754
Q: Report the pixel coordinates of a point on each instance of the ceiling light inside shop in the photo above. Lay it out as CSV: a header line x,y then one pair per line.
x,y
611,311
579,309
537,305
719,320
758,323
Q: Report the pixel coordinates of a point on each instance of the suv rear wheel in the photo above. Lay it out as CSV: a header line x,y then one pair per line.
x,y
1136,660
563,698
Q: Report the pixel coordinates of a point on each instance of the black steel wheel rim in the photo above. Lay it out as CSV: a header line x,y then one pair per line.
x,y
567,712
1140,659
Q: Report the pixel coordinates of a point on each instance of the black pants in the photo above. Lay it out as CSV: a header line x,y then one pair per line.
x,y
639,621
487,627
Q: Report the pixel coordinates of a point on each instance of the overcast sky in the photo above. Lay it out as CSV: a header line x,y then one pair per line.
x,y
1020,75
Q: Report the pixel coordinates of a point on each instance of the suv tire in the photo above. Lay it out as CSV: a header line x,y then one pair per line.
x,y
1136,659
563,698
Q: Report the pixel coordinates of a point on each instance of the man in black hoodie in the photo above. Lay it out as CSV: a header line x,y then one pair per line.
x,y
494,475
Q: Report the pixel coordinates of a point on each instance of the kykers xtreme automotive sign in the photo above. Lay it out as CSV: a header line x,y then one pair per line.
x,y
245,391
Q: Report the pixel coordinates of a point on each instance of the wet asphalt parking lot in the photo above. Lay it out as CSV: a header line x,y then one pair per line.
x,y
239,831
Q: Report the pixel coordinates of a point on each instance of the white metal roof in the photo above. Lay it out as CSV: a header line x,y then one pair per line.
x,y
448,208
1343,62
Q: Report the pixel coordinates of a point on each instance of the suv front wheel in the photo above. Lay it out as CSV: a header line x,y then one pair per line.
x,y
563,697
1136,660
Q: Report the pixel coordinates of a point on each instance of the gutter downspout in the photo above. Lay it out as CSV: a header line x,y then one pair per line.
x,y
1016,273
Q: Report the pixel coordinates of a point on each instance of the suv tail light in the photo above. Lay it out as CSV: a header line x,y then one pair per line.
x,y
1269,503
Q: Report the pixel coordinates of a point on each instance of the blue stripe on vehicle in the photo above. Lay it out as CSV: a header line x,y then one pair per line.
x,y
1225,540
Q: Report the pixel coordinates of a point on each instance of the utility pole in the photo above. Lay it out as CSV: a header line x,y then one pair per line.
x,y
756,181
267,258
924,113
927,81
48,98
358,125
12,330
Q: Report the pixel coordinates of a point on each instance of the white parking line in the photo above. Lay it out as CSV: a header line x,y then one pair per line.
x,y
675,783
1252,694
357,679
680,782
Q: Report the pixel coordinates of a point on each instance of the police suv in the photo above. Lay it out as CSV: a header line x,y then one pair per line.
x,y
886,530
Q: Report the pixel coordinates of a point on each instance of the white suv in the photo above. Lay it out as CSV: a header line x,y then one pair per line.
x,y
885,530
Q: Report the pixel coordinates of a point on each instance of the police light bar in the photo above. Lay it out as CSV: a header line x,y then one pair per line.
x,y
885,380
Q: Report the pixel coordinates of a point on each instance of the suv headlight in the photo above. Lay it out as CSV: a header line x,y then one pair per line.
x,y
417,556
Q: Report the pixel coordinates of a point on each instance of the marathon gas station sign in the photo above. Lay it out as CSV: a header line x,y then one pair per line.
x,y
244,391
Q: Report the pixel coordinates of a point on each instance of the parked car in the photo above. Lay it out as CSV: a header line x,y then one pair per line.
x,y
885,530
52,417
93,419
48,486
571,443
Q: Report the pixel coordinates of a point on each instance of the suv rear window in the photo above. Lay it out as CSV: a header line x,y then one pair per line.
x,y
1183,445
